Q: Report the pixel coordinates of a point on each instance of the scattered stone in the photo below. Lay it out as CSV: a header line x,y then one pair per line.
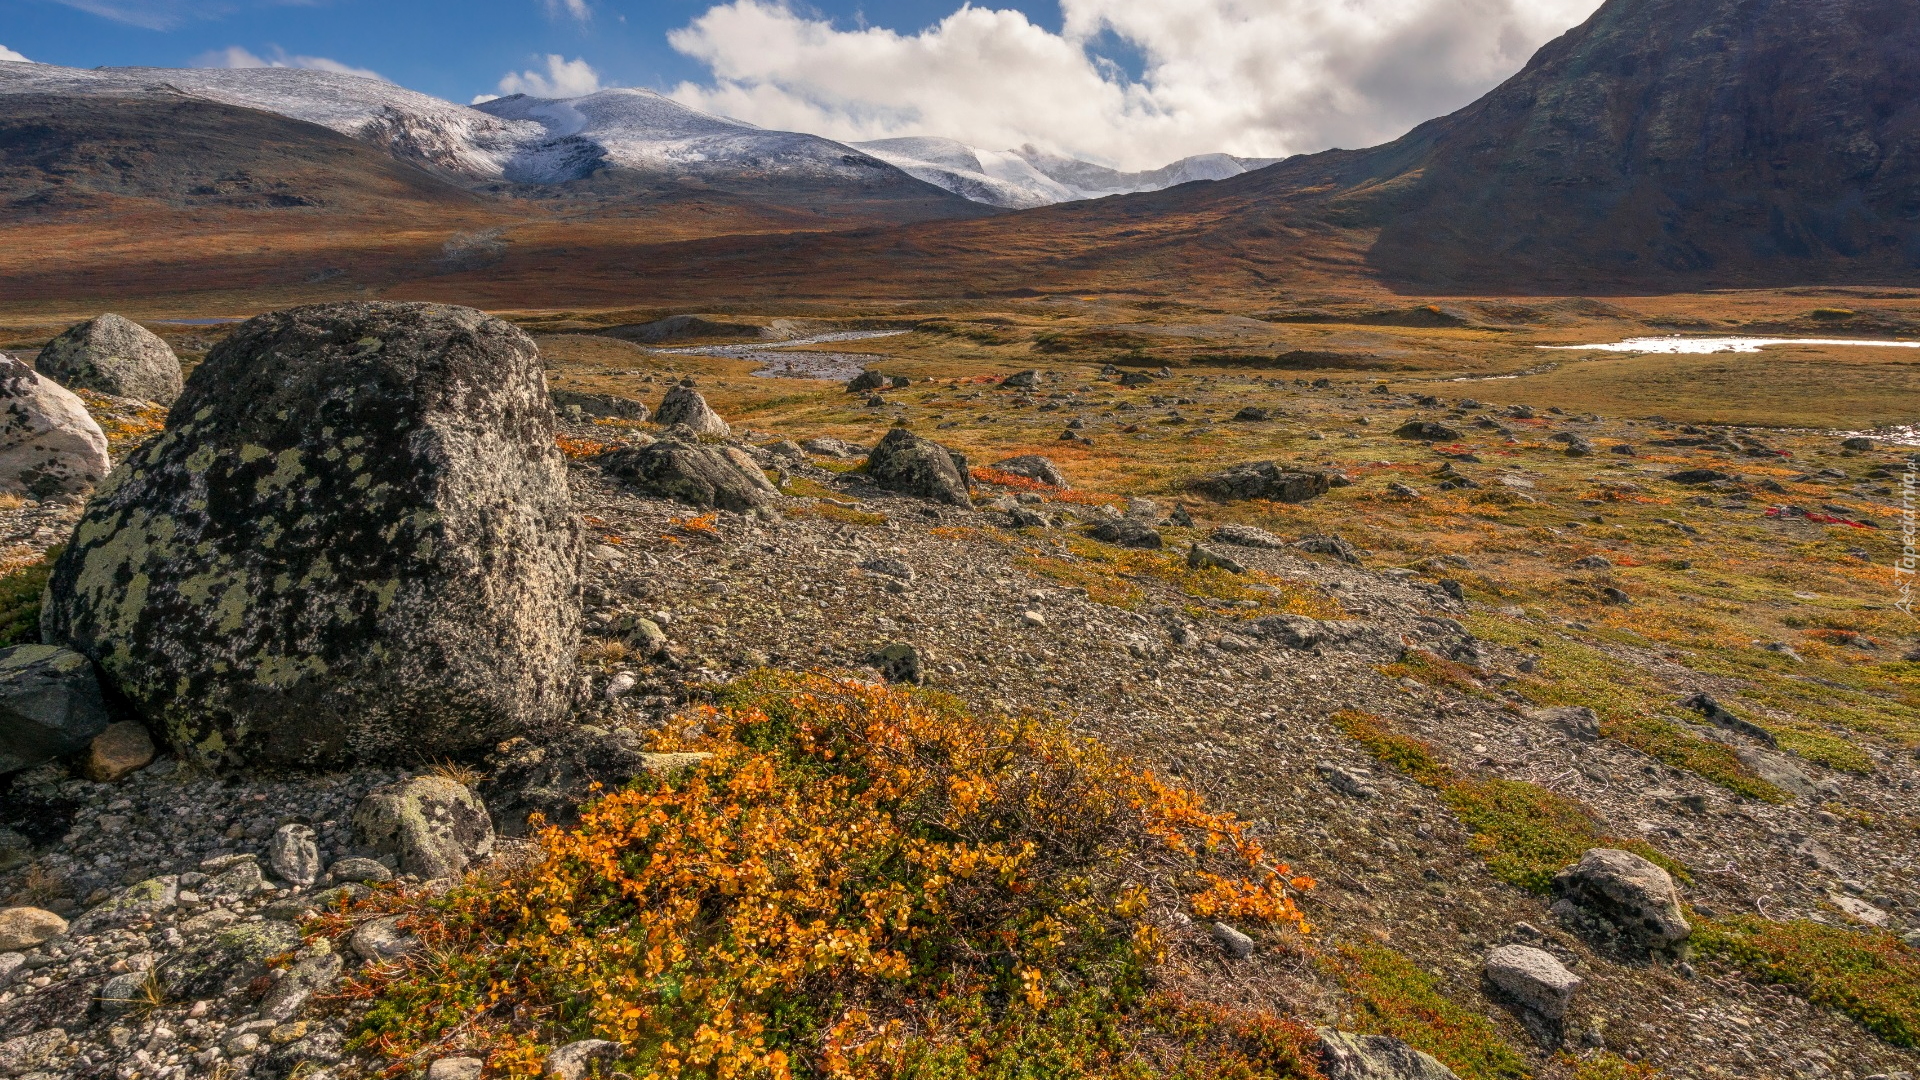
x,y
1022,380
1346,781
118,752
1033,467
1135,379
1857,442
1329,545
1533,978
1576,720
1264,480
50,705
1253,414
1593,562
911,465
830,447
694,473
1405,491
360,870
1620,888
1697,477
356,542
580,406
50,446
136,903
23,928
114,356
1203,558
123,993
294,855
683,406
1427,431
1126,532
1246,536
1033,618
865,381
898,662
1715,714
575,1060
1237,945
434,826
379,940
1346,1056
456,1068
1855,908
228,960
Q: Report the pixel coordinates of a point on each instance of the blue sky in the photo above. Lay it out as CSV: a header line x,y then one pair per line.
x,y
450,48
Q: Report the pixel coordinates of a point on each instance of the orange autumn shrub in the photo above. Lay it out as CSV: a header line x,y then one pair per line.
x,y
859,882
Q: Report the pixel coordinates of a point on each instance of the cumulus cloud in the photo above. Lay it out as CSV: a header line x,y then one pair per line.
x,y
233,56
564,78
577,9
9,56
1258,78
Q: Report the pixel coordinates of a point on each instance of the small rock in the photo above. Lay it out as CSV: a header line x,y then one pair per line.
x,y
356,869
684,407
1033,618
1426,431
121,750
1246,536
1264,480
1534,978
1033,467
1346,780
378,940
123,993
1576,720
898,662
50,705
1335,546
1237,945
434,826
1346,1056
456,1068
23,928
572,1061
1623,889
1203,558
1126,532
294,855
865,381
1022,380
1857,442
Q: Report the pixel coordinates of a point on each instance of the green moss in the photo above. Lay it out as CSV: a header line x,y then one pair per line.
x,y
1525,832
1871,976
1391,995
20,594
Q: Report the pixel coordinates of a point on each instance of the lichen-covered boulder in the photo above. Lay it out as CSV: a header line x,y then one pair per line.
x,y
49,444
1625,893
434,826
684,407
354,541
114,356
695,473
1264,480
911,465
50,705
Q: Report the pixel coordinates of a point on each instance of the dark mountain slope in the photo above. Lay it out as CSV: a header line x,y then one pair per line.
x,y
1665,143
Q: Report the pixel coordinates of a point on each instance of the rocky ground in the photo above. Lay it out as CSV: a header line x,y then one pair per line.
x,y
1230,677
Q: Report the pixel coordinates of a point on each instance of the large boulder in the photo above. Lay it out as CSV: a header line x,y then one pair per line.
x,y
50,705
354,541
909,464
435,827
699,474
49,445
684,407
1264,480
114,356
1623,893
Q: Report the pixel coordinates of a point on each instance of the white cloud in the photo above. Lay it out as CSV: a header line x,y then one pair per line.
x,y
167,14
577,9
564,78
9,56
1259,78
233,56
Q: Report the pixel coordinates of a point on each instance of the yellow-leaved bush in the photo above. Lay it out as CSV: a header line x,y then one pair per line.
x,y
861,881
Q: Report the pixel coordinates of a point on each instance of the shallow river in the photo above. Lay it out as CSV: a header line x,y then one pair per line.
x,y
779,364
1722,344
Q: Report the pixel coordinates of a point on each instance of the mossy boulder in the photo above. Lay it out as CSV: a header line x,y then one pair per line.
x,y
113,356
353,542
911,465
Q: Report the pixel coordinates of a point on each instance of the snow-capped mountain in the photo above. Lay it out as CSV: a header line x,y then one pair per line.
x,y
1027,177
649,132
415,126
541,141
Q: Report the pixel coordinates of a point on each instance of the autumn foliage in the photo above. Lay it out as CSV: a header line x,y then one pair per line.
x,y
859,882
